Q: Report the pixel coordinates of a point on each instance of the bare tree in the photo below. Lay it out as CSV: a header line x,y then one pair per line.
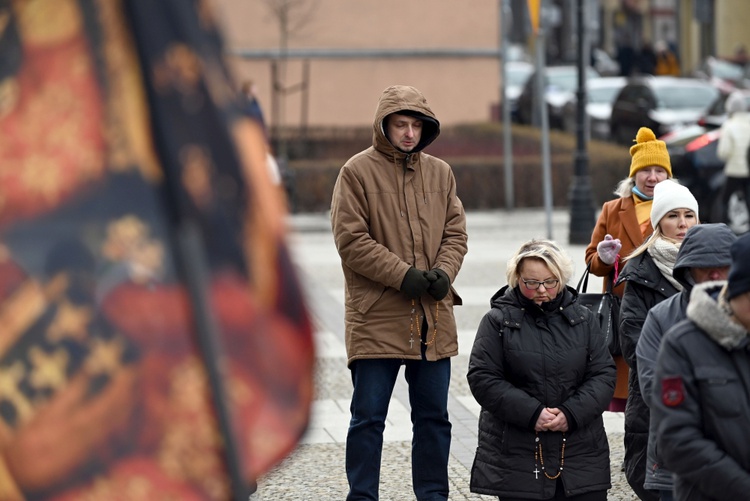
x,y
292,17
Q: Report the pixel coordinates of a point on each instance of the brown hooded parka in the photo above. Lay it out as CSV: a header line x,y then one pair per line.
x,y
392,210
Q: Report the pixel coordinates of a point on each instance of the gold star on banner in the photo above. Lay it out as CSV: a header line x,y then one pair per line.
x,y
48,369
10,377
104,357
70,322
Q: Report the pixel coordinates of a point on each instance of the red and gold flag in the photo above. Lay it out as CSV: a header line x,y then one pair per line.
x,y
154,343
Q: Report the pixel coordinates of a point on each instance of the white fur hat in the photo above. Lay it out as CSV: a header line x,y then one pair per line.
x,y
670,195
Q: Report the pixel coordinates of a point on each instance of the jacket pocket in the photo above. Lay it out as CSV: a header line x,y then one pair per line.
x,y
719,388
364,292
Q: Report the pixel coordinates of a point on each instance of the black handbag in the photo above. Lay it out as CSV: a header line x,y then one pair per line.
x,y
606,308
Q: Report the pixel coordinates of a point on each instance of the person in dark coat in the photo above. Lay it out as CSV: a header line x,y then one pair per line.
x,y
648,280
702,389
703,256
543,375
647,60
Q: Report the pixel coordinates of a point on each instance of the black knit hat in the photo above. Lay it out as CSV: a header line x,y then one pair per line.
x,y
739,274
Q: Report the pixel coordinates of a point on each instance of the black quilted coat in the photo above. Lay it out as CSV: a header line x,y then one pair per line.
x,y
523,359
645,287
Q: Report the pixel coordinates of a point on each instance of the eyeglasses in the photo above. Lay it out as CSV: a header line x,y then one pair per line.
x,y
533,285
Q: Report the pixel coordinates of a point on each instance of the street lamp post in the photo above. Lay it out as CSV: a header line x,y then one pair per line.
x,y
581,202
504,26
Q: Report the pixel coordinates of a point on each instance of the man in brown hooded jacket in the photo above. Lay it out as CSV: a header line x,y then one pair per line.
x,y
400,230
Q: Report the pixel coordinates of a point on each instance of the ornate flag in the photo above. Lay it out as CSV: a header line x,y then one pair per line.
x,y
153,339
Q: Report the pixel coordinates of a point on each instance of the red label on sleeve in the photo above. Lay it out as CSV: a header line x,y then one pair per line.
x,y
672,391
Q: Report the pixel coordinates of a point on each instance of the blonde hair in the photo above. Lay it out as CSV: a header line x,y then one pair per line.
x,y
547,251
625,187
651,240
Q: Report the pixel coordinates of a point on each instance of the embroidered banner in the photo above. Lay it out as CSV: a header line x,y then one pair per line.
x,y
154,343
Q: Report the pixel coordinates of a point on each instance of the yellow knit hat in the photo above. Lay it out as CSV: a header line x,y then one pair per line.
x,y
649,151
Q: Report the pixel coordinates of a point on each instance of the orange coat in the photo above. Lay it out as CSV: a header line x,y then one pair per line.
x,y
666,64
619,220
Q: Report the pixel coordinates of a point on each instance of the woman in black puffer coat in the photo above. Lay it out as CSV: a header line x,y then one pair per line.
x,y
648,281
542,373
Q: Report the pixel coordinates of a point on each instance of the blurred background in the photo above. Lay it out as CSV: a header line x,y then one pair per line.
x,y
318,67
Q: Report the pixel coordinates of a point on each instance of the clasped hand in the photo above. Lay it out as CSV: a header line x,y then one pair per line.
x,y
551,419
435,282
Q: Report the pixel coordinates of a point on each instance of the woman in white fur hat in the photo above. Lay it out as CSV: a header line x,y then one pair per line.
x,y
648,280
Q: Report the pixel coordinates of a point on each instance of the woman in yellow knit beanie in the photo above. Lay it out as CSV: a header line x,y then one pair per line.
x,y
649,151
624,224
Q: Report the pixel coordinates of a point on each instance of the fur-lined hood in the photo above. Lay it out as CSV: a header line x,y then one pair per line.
x,y
706,311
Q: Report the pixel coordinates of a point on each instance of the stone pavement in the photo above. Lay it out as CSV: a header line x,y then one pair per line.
x,y
315,470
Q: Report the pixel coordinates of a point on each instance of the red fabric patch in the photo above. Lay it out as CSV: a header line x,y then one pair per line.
x,y
672,391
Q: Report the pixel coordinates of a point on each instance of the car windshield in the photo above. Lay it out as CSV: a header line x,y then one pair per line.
x,y
567,80
718,107
603,94
725,70
518,76
684,98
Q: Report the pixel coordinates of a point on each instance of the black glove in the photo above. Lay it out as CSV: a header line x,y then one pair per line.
x,y
415,283
439,284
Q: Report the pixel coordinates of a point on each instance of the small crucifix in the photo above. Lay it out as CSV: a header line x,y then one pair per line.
x,y
411,343
536,473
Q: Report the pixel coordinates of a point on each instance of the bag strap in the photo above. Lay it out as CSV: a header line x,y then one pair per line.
x,y
583,283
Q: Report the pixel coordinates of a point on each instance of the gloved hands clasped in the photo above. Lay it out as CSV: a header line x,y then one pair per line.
x,y
416,282
608,249
439,284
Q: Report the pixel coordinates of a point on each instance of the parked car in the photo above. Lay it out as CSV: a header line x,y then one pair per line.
x,y
560,83
600,94
518,53
678,139
661,103
516,72
716,114
695,163
723,74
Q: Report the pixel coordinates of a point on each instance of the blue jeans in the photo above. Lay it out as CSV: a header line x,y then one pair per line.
x,y
373,381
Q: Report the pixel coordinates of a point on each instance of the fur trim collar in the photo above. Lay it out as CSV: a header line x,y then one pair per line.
x,y
704,310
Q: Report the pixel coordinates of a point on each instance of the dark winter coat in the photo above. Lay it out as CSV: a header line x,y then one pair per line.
x,y
645,287
702,401
706,245
524,359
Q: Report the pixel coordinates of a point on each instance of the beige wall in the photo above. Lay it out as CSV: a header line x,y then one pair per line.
x,y
345,92
733,22
732,18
